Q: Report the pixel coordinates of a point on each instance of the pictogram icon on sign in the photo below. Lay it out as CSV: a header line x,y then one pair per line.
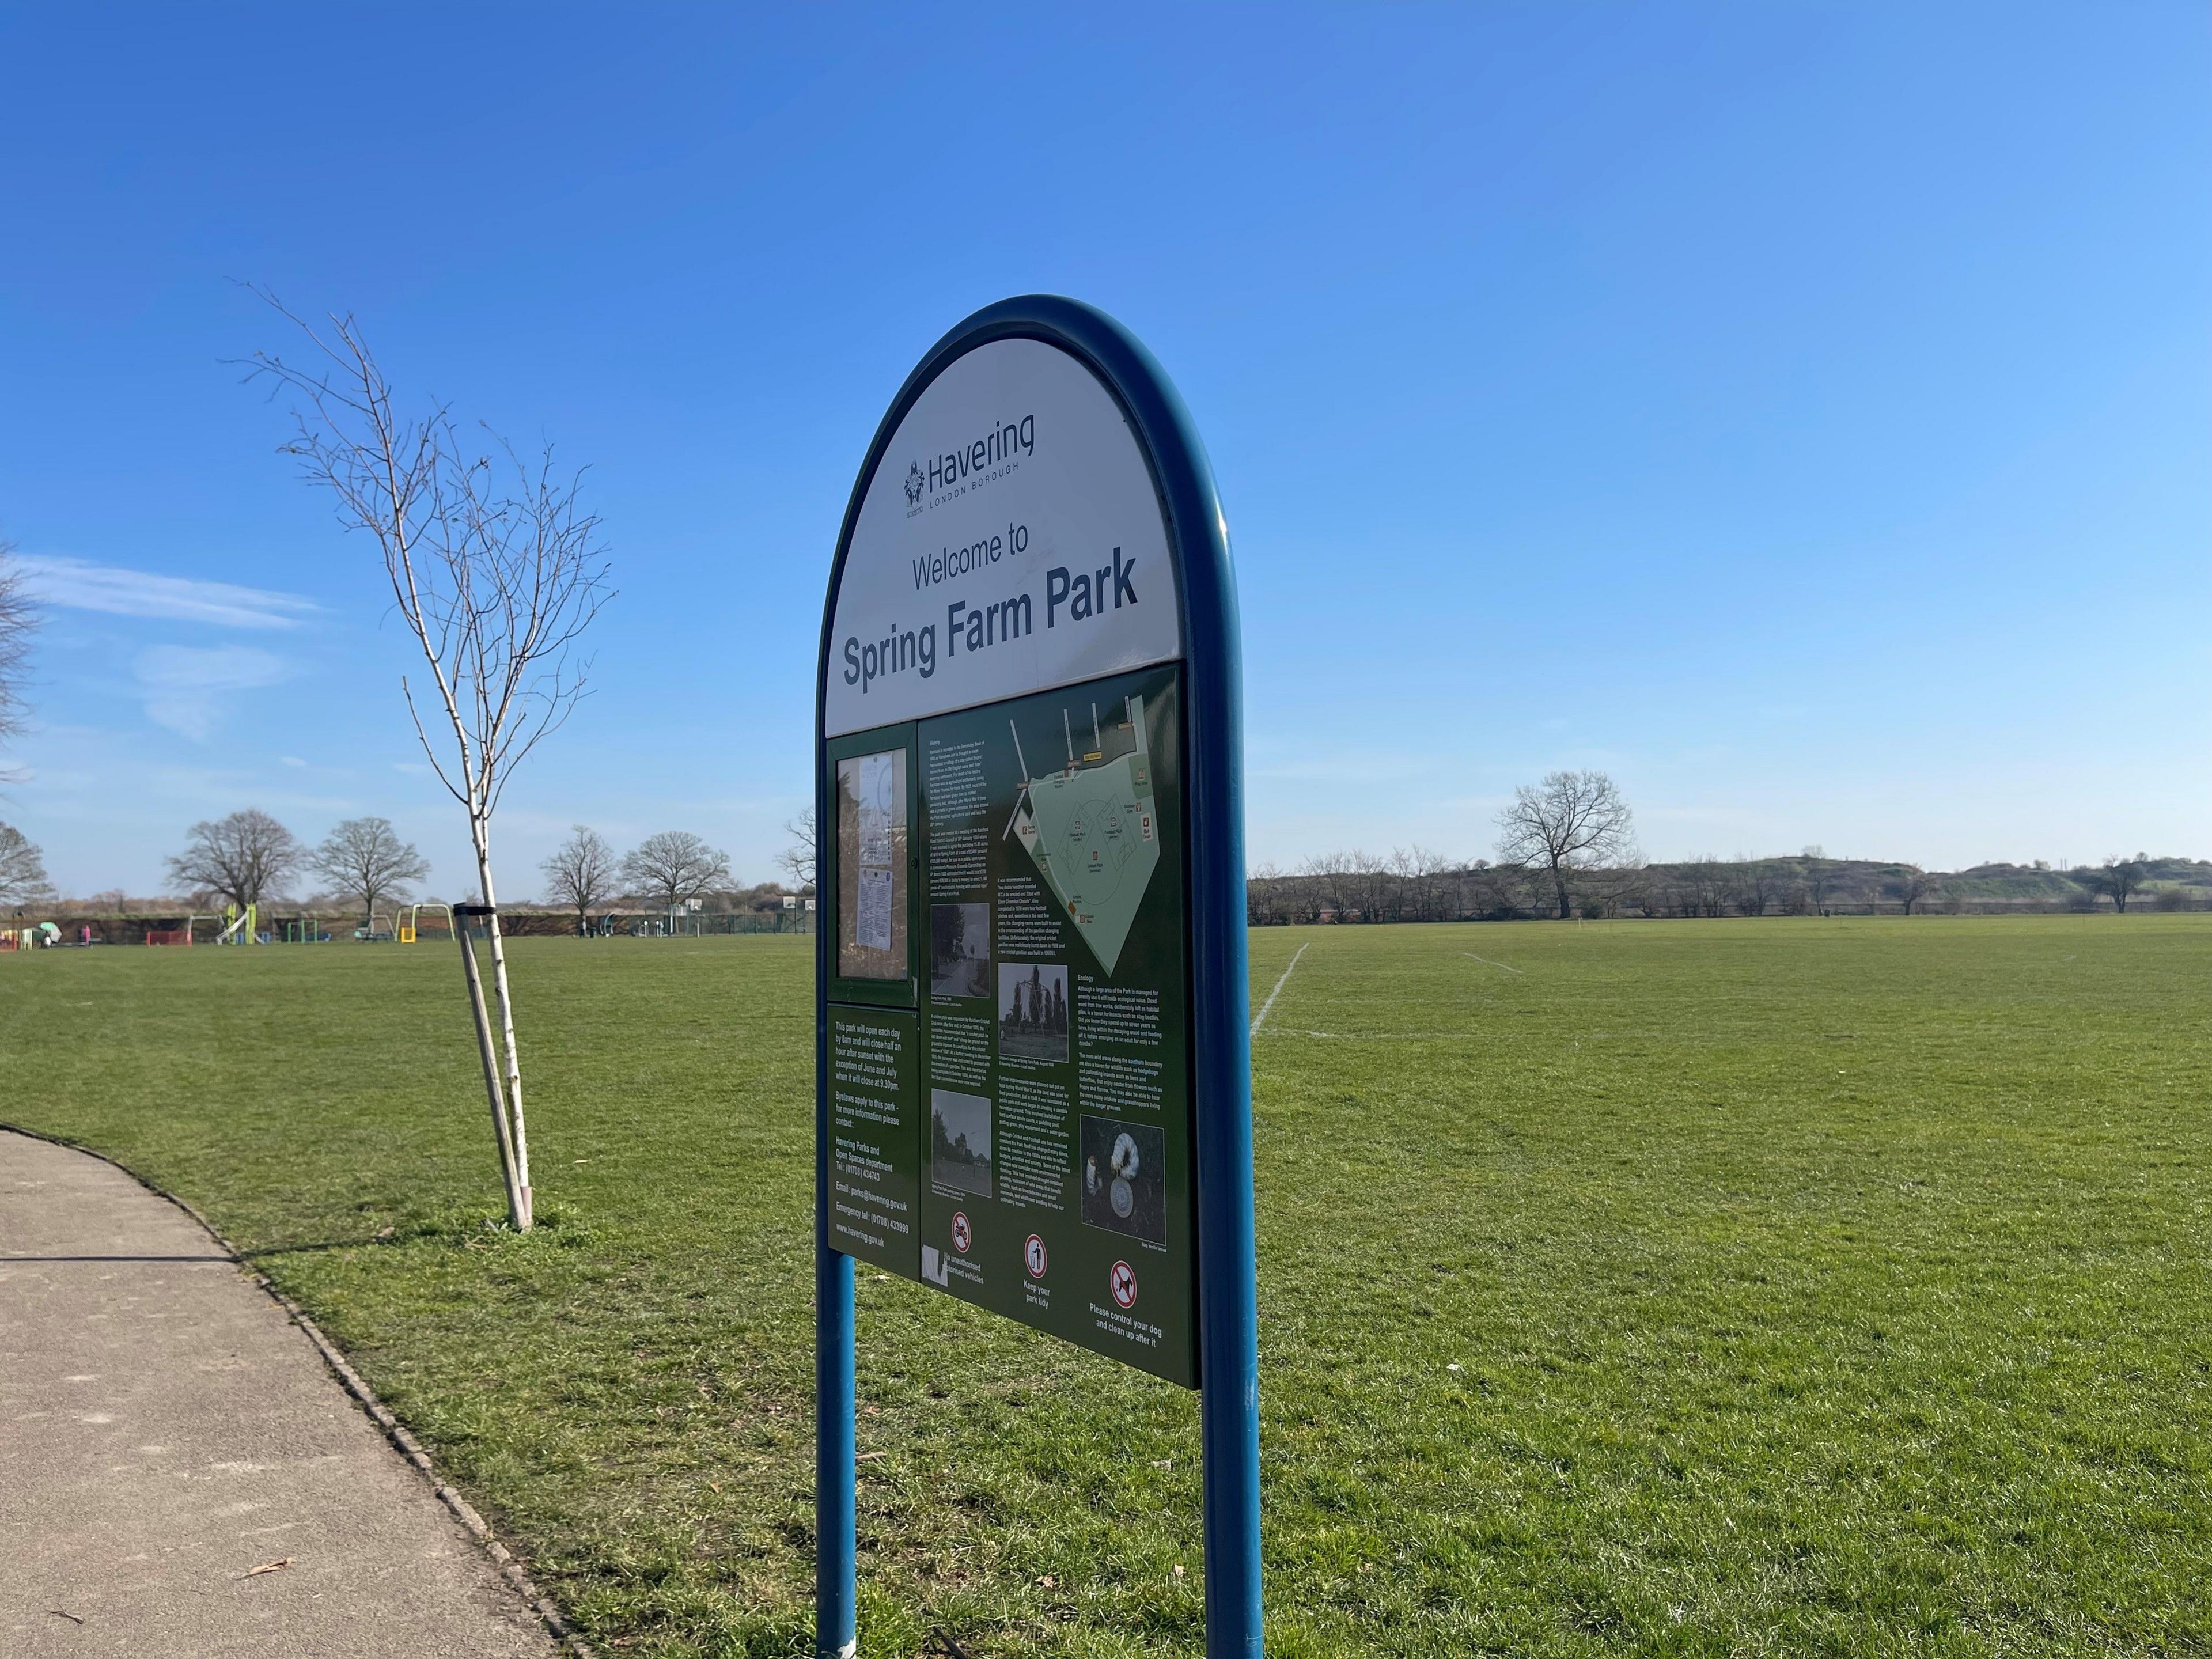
x,y
962,1234
1123,1279
1033,1256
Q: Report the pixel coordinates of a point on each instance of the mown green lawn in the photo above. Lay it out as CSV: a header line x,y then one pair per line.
x,y
1750,1287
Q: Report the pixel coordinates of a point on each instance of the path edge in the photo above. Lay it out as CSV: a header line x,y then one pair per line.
x,y
510,1570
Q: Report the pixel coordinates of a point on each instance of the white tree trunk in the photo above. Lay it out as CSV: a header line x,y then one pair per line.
x,y
480,830
500,1129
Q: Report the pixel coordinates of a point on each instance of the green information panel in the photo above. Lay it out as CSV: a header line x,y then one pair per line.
x,y
1034,1156
1057,1185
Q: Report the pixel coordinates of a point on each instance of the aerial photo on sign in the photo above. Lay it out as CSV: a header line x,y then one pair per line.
x,y
1091,827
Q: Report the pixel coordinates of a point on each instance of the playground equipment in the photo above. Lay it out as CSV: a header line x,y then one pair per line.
x,y
302,930
406,932
238,926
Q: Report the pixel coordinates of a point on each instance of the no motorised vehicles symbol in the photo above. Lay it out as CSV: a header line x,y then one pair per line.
x,y
962,1234
1033,1256
1123,1279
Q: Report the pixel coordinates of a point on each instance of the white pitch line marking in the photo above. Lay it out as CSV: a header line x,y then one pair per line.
x,y
1487,963
1267,1007
1380,1036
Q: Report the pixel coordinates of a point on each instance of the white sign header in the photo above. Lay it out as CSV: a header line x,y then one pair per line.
x,y
1010,541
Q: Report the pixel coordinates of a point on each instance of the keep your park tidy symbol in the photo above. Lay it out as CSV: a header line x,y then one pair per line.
x,y
1123,1279
1033,1256
1093,829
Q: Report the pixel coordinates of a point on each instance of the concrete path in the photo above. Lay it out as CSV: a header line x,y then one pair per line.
x,y
164,1429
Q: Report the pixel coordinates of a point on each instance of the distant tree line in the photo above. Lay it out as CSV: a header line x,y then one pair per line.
x,y
1567,848
250,858
1419,885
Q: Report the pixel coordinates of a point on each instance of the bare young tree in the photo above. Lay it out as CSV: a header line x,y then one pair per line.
x,y
1330,874
796,860
1704,885
22,872
2119,879
498,571
675,865
1756,886
1571,823
1423,893
245,858
1915,885
1369,876
364,859
18,621
1497,891
1265,899
1822,878
580,873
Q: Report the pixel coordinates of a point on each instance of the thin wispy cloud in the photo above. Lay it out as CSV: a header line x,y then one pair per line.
x,y
185,685
79,584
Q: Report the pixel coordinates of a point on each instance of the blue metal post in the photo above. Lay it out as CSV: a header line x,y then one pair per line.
x,y
1229,1312
835,1569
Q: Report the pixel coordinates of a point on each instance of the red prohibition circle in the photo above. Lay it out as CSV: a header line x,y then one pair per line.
x,y
1033,1256
962,1234
1123,1279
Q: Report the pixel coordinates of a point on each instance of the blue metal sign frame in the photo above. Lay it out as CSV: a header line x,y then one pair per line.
x,y
1221,1057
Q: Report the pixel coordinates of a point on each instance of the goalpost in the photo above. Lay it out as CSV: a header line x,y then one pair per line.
x,y
408,931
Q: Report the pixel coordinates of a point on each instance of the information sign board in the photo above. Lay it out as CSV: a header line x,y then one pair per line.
x,y
1033,1073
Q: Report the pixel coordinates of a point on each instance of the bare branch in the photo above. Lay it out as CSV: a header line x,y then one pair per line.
x,y
675,865
1573,822
364,859
580,873
22,872
18,621
245,858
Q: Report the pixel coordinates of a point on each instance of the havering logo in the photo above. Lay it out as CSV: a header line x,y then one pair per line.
x,y
1004,445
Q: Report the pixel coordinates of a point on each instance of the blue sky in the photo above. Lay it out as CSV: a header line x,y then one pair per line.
x,y
1802,413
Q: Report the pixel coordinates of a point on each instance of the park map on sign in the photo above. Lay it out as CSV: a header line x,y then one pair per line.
x,y
1093,832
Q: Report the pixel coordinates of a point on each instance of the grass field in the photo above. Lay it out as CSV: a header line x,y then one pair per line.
x,y
1753,1287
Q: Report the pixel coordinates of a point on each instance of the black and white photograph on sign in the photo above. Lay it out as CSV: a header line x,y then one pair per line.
x,y
1033,1010
960,950
960,1141
877,795
1124,1167
872,849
